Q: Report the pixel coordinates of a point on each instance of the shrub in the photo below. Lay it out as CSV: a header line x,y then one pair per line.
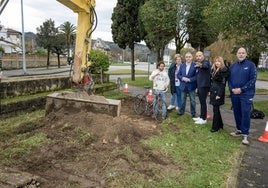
x,y
100,61
41,52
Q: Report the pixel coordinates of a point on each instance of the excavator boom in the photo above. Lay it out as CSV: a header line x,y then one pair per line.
x,y
86,12
3,4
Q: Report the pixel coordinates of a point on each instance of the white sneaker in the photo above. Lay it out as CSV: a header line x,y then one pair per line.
x,y
201,121
196,119
177,108
245,140
170,107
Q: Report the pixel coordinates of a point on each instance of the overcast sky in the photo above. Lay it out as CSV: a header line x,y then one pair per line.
x,y
38,11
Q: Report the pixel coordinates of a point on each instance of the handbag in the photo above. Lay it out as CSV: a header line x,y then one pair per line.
x,y
256,114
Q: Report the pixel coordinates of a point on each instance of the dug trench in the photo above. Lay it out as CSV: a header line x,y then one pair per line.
x,y
85,149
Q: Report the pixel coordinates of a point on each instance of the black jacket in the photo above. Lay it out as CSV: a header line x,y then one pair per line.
x,y
218,83
203,74
171,75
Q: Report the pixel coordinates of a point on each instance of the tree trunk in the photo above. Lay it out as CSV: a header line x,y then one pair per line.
x,y
48,54
132,65
58,56
255,59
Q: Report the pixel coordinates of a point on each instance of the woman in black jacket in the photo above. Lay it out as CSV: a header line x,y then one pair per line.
x,y
175,100
219,75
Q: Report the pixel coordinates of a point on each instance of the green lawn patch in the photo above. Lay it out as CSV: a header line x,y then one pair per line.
x,y
125,71
263,75
206,159
139,81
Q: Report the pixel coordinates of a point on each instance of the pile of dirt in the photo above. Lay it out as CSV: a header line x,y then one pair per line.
x,y
96,150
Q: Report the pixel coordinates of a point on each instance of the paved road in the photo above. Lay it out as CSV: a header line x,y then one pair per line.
x,y
64,70
262,84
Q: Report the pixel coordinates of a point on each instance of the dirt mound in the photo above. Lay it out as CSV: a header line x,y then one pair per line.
x,y
95,150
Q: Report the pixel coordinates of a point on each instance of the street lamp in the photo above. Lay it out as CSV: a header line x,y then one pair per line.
x,y
23,40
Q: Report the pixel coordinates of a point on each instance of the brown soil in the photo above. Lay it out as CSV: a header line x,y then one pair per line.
x,y
96,150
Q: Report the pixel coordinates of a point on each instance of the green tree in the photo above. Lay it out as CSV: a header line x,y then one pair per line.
x,y
181,35
68,29
159,19
58,46
127,29
100,62
45,36
245,21
200,34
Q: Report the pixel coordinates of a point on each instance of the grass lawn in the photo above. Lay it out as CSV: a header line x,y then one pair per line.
x,y
207,159
125,71
263,75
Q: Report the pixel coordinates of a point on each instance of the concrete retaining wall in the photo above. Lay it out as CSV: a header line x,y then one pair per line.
x,y
14,61
28,86
21,86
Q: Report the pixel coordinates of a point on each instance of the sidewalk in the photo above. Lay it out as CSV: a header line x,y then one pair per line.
x,y
253,161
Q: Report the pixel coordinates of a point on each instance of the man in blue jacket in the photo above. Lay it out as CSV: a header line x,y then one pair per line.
x,y
187,77
241,83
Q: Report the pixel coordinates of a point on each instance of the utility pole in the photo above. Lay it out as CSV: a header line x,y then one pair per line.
x,y
23,40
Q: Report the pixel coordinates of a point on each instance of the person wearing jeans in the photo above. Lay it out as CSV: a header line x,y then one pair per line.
x,y
163,96
175,99
187,77
160,84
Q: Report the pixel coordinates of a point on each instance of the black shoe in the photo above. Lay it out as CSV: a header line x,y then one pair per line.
x,y
214,130
180,114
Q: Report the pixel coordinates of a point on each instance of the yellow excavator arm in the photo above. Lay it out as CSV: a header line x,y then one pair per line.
x,y
85,11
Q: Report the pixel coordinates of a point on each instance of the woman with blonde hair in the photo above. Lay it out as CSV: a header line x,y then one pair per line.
x,y
219,75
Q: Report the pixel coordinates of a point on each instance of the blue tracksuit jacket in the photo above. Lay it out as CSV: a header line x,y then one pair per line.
x,y
243,75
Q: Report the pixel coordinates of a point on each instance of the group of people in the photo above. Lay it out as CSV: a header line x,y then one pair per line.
x,y
203,78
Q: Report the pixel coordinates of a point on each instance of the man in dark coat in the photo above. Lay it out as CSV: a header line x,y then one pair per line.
x,y
203,85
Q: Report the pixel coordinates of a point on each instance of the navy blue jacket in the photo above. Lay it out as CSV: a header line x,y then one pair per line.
x,y
243,75
203,74
187,86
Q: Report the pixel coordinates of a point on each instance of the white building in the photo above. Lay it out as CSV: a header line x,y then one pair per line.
x,y
263,60
10,40
101,45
